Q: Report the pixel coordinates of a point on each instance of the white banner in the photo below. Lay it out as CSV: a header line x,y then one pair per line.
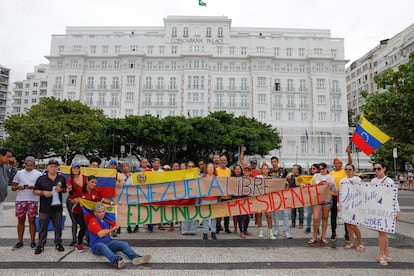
x,y
369,206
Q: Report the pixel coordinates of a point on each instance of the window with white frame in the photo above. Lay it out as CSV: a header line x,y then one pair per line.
x,y
219,66
174,31
105,49
92,64
232,84
102,82
160,83
321,99
317,51
278,116
104,65
172,99
74,63
232,66
71,96
303,116
58,82
117,49
320,83
261,65
116,65
290,87
243,84
89,98
244,66
243,51
260,50
322,116
276,67
77,48
276,51
101,98
173,49
148,83
232,50
261,98
303,144
244,101
161,49
319,67
302,68
289,67
160,65
130,80
276,101
208,32
232,100
90,83
173,83
133,48
72,79
261,115
302,85
149,49
115,82
261,81
291,116
61,48
130,96
301,52
338,145
288,52
159,99
129,111
60,65
185,32
333,52
219,83
219,50
321,145
114,98
147,99
291,101
220,32
303,101
219,100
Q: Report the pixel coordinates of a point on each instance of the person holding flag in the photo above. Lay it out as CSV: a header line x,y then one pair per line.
x,y
102,244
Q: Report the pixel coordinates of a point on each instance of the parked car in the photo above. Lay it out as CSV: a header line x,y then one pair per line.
x,y
367,176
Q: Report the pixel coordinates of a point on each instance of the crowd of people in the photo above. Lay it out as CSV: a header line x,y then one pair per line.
x,y
47,189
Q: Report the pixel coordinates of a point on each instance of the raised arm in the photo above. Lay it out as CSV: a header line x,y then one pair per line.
x,y
243,149
348,151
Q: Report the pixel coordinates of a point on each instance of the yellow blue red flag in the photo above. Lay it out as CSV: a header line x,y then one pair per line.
x,y
367,137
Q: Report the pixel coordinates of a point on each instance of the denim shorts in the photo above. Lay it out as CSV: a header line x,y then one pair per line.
x,y
328,203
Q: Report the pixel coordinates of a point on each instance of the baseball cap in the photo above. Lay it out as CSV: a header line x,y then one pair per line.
x,y
53,162
247,168
113,162
29,159
338,159
76,165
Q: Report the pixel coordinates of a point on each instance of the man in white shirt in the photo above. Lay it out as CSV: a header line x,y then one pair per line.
x,y
26,201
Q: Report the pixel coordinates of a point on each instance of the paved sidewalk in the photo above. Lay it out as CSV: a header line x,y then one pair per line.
x,y
189,255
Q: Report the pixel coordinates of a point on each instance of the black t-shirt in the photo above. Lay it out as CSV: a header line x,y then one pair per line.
x,y
44,183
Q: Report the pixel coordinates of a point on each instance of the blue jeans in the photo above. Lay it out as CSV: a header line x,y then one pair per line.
x,y
109,248
309,213
276,215
213,221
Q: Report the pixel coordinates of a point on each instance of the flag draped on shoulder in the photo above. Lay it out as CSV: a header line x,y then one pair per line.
x,y
201,3
367,137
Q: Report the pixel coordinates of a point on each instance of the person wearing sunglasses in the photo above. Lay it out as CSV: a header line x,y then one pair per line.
x,y
324,208
383,256
352,229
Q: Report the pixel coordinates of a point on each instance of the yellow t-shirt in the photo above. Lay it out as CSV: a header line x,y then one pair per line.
x,y
223,173
338,175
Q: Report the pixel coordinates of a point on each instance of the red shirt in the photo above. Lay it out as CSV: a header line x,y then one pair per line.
x,y
76,193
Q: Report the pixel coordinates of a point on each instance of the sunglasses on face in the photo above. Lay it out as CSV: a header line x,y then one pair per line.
x,y
322,168
377,169
348,169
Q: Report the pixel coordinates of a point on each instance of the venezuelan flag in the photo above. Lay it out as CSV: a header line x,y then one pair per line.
x,y
106,178
367,137
142,178
88,209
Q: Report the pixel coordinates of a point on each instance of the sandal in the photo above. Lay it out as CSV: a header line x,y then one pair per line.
x,y
360,248
350,246
324,241
383,261
312,241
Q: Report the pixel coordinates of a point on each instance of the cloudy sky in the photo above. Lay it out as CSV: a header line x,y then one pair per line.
x,y
27,25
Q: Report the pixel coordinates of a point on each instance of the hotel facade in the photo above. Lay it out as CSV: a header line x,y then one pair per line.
x,y
293,79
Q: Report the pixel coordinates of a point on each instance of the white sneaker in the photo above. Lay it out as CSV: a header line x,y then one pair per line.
x,y
275,234
270,236
260,233
141,260
287,235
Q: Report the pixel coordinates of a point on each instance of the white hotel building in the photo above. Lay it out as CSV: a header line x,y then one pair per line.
x,y
293,79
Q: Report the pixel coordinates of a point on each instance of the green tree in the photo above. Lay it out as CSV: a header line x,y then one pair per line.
x,y
392,111
55,128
